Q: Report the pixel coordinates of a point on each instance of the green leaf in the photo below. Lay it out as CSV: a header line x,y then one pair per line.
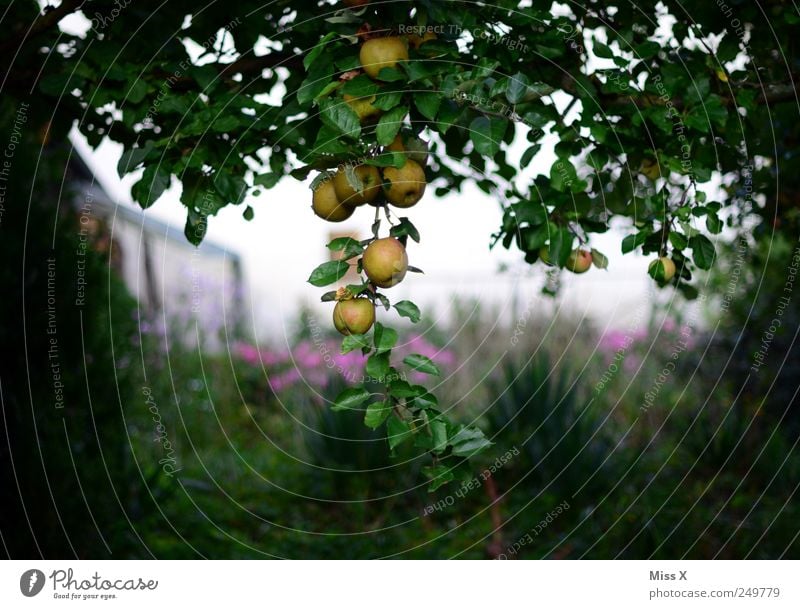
x,y
678,240
439,432
384,338
361,86
631,242
196,226
599,259
318,49
341,117
602,50
378,366
388,159
439,475
397,432
703,252
517,88
563,175
468,442
403,390
405,228
425,400
387,100
391,75
154,182
352,342
267,180
714,224
560,245
448,116
428,104
248,213
328,272
132,157
377,413
347,245
350,399
406,308
487,134
422,364
225,123
389,125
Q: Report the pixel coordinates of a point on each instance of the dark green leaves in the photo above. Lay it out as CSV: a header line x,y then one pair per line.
x,y
405,228
439,475
389,125
703,252
384,338
397,432
350,399
517,88
378,366
339,116
312,55
421,364
347,245
352,342
406,308
132,157
469,441
377,413
428,104
154,182
487,134
328,273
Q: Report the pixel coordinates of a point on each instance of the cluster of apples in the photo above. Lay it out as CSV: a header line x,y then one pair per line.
x,y
384,261
335,199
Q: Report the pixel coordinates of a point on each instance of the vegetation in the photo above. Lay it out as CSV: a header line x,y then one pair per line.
x,y
679,127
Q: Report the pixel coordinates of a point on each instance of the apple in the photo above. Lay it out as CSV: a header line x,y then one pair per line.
x,y
326,205
579,261
362,106
385,262
354,316
379,53
662,269
414,148
355,3
651,169
370,180
404,187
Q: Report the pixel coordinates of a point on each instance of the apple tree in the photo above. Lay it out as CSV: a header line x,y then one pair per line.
x,y
648,106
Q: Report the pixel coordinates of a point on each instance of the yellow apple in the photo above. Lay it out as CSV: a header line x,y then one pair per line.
x,y
385,262
662,269
415,148
370,180
379,53
326,205
404,187
579,261
354,316
362,106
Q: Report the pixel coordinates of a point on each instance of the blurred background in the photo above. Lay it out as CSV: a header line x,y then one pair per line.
x,y
196,418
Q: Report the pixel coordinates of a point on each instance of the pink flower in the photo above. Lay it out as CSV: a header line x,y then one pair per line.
x,y
246,352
